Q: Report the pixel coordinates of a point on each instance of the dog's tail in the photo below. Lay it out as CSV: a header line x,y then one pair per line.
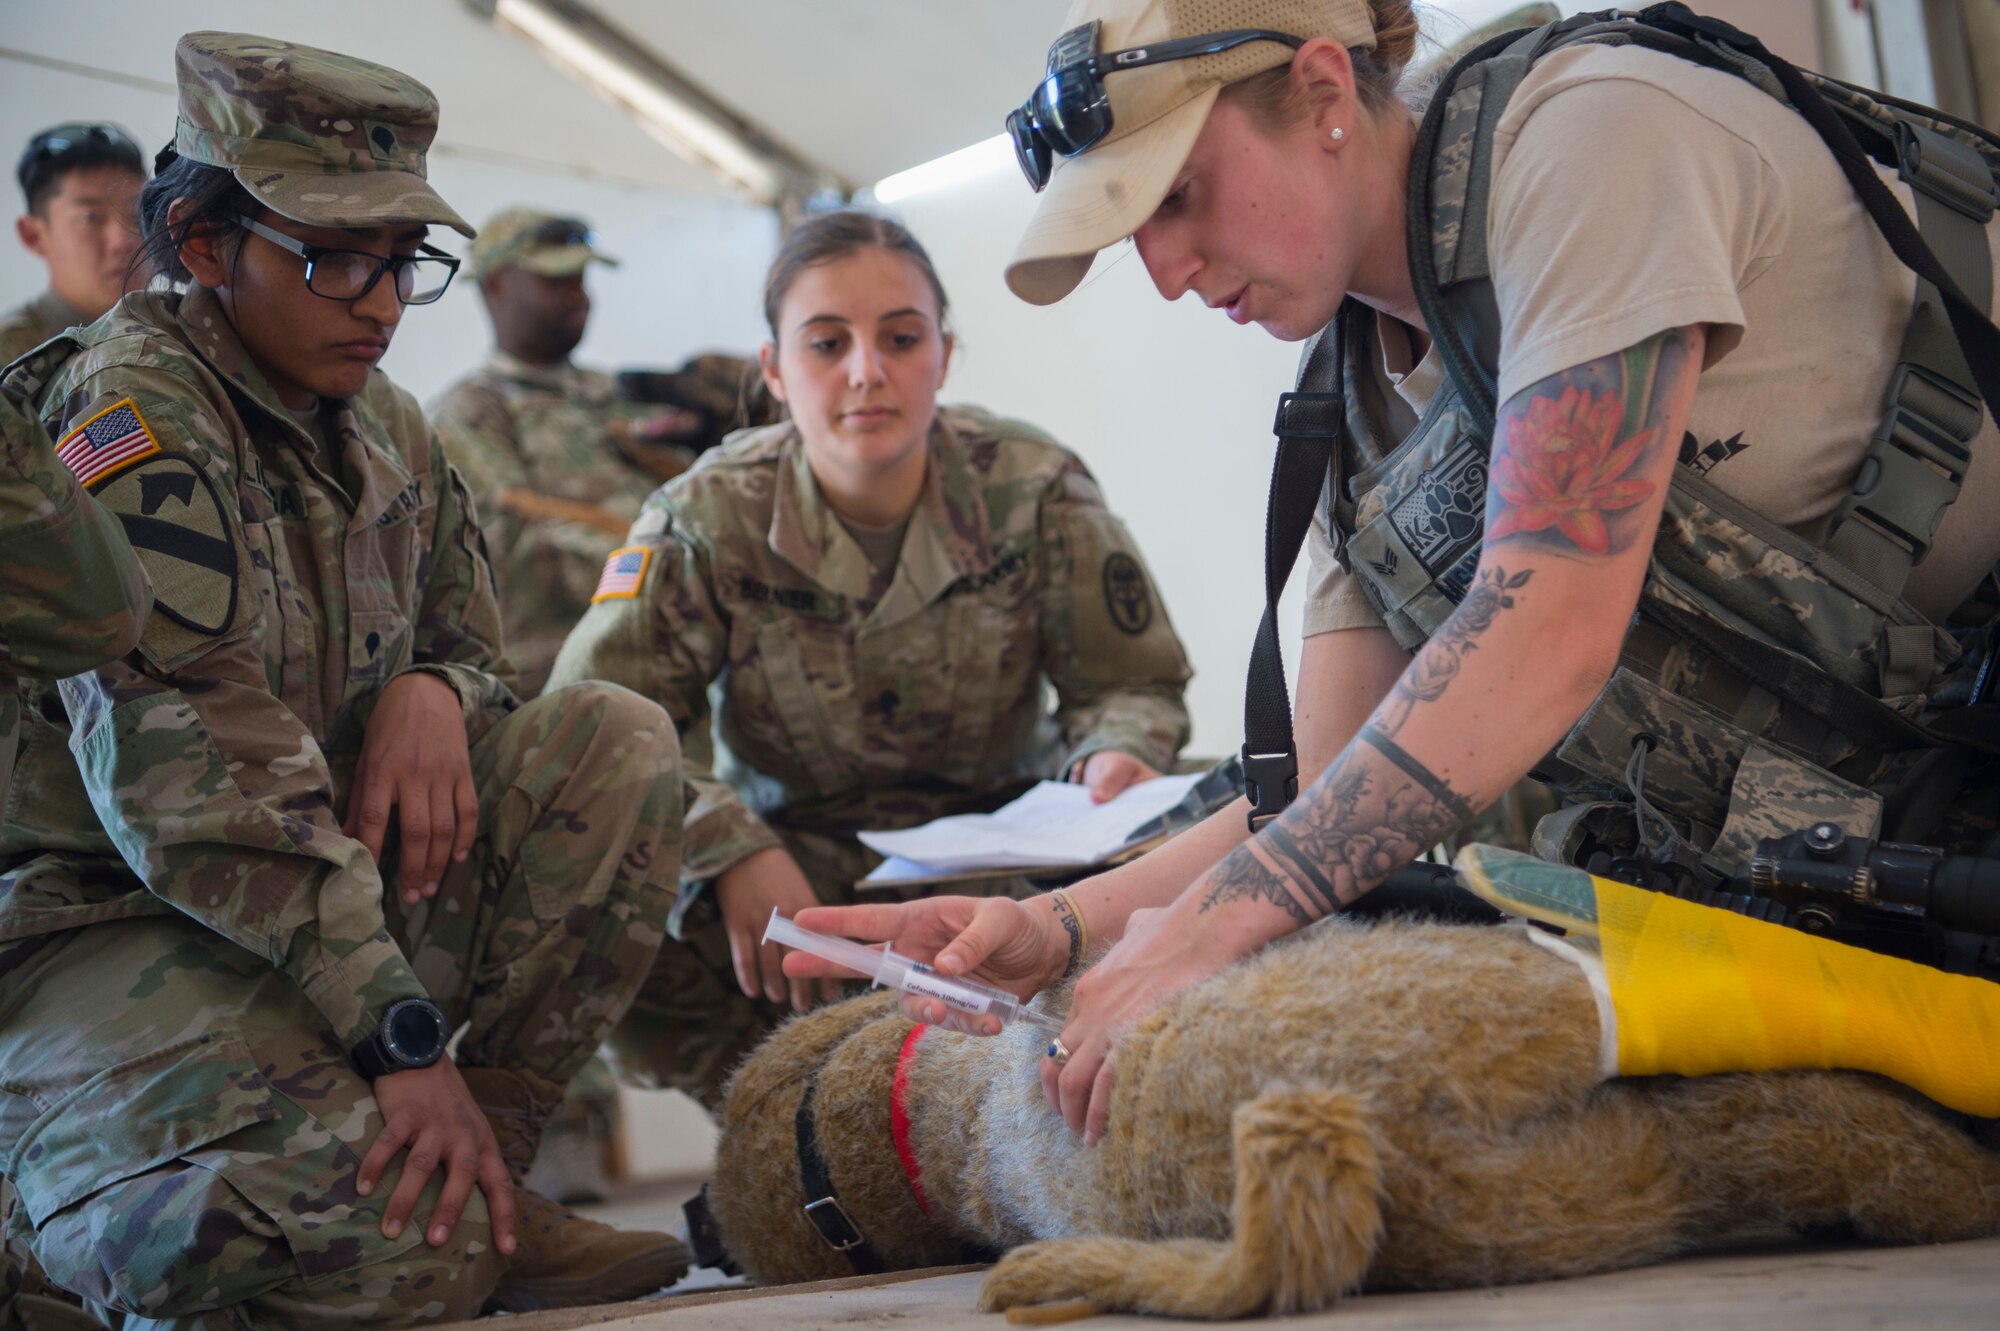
x,y
1307,1217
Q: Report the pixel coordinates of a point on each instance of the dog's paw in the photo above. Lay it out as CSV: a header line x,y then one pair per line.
x,y
1184,1278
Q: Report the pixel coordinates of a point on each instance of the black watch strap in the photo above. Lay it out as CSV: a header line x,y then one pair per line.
x,y
381,1053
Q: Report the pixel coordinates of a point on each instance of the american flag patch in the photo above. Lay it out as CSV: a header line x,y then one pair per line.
x,y
108,442
623,572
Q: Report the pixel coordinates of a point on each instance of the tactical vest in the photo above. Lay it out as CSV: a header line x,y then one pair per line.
x,y
1746,681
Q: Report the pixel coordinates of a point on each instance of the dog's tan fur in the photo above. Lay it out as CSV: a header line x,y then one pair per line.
x,y
1407,1105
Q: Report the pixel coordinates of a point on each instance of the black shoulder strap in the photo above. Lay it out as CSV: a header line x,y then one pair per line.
x,y
1307,424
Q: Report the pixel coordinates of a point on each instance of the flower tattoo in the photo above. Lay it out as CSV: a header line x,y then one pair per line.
x,y
1564,468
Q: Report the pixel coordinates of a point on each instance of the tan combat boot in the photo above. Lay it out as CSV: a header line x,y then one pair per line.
x,y
561,1259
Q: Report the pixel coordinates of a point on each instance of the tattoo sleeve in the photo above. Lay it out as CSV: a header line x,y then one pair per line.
x,y
1374,810
1575,462
1377,808
1570,451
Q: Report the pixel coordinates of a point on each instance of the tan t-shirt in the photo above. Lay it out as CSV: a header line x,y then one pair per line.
x,y
1633,193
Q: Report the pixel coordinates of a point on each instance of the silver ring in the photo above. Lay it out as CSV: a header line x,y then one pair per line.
x,y
1058,1051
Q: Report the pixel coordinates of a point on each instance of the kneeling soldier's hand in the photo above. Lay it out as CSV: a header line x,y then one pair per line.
x,y
430,1113
415,763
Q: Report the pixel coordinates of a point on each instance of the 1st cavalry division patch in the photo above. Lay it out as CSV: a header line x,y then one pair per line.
x,y
176,525
107,443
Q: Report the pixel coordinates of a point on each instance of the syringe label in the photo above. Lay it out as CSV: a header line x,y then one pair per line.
x,y
946,992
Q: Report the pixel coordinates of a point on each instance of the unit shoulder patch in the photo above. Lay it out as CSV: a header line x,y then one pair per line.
x,y
1126,595
177,526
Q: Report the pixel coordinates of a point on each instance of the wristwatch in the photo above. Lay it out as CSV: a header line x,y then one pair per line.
x,y
412,1034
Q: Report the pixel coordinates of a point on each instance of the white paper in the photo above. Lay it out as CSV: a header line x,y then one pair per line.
x,y
1054,823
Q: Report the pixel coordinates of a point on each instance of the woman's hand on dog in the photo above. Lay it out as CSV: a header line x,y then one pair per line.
x,y
1015,945
747,892
1156,958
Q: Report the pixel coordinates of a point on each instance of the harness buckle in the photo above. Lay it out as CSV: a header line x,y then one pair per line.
x,y
1917,459
1264,776
1309,415
1947,170
833,1224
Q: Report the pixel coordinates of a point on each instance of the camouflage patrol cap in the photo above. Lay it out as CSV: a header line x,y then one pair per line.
x,y
321,138
545,243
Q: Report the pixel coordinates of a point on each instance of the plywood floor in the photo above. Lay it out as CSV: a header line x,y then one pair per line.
x,y
1812,1287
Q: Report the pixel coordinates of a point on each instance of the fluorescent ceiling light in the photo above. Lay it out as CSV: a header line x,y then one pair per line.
x,y
676,122
950,171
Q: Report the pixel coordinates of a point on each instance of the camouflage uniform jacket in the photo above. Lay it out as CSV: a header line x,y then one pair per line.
x,y
840,713
553,431
210,768
25,328
71,595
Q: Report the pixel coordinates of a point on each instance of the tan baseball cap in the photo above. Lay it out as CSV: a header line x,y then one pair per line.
x,y
1157,111
322,138
546,243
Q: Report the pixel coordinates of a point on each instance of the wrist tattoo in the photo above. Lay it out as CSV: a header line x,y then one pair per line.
x,y
1243,876
1373,811
1072,922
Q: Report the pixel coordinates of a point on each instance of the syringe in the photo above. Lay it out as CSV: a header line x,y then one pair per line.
x,y
892,970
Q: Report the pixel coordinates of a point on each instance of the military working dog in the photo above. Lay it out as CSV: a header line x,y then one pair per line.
x,y
1402,1105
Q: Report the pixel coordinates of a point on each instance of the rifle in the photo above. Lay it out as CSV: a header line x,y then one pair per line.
x,y
1922,903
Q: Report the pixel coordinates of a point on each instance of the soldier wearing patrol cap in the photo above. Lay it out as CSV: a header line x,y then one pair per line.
x,y
888,591
225,982
556,461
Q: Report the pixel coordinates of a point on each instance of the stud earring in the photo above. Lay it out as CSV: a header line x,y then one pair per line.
x,y
1338,134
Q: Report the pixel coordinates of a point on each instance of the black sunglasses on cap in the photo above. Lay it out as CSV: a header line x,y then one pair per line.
x,y
49,147
1069,112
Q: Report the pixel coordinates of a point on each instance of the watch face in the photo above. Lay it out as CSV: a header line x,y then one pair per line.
x,y
413,1033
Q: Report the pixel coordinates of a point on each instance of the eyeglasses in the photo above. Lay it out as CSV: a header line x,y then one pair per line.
x,y
53,144
1069,113
350,274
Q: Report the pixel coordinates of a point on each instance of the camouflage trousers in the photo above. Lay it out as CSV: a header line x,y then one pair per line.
x,y
183,1131
691,1023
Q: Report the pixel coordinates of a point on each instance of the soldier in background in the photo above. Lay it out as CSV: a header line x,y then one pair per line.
x,y
81,184
557,461
223,1079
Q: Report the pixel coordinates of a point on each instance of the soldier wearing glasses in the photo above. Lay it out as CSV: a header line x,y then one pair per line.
x,y
81,184
257,871
557,463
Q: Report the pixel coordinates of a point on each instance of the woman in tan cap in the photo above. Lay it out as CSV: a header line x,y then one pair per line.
x,y
260,869
1664,297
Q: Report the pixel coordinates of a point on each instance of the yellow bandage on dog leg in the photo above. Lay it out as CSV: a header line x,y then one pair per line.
x,y
1697,990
